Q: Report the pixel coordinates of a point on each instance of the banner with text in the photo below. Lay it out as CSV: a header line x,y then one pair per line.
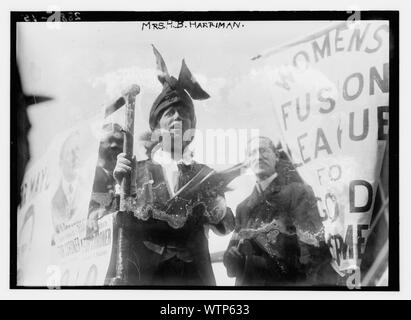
x,y
53,245
329,92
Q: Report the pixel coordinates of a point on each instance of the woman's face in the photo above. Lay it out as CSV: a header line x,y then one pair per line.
x,y
173,124
175,120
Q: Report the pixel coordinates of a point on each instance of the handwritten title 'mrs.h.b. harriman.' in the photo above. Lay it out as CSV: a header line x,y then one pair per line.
x,y
164,25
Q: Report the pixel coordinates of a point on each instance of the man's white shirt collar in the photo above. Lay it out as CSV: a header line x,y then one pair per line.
x,y
262,185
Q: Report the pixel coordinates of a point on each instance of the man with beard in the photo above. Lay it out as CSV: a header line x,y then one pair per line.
x,y
166,251
278,238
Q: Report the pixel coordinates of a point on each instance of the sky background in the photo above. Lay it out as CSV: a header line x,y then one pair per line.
x,y
85,65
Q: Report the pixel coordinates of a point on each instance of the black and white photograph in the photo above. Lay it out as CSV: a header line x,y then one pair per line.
x,y
204,150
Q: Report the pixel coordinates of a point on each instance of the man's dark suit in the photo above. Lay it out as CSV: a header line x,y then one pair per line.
x,y
103,199
104,184
293,205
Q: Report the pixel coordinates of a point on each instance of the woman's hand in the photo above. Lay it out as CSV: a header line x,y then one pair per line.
x,y
123,167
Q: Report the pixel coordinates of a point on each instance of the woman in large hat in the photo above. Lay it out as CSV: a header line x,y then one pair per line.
x,y
171,247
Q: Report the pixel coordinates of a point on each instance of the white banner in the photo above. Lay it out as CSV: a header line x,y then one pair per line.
x,y
52,245
329,92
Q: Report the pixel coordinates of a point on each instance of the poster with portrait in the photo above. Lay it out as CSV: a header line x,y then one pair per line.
x,y
54,245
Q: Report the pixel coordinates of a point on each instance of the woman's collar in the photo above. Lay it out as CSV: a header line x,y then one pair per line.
x,y
163,157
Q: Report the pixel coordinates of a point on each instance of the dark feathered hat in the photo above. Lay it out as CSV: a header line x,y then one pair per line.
x,y
180,91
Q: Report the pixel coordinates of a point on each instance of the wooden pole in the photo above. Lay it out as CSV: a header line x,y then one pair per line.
x,y
121,221
130,97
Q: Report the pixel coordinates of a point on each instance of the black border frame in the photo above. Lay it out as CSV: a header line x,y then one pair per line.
x,y
94,16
